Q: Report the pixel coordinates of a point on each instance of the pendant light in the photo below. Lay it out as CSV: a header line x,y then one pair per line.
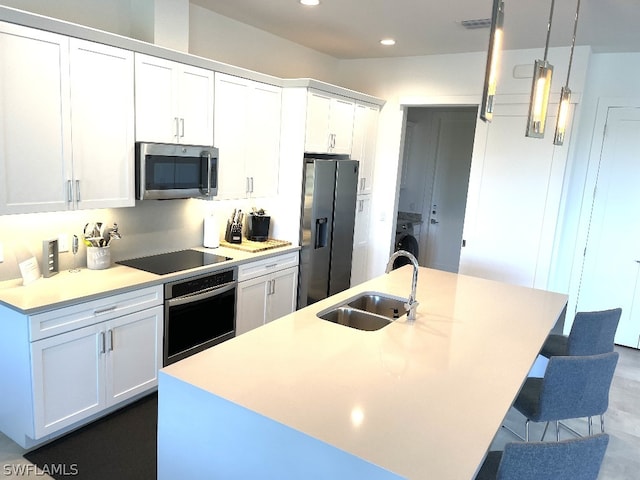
x,y
565,95
493,61
540,88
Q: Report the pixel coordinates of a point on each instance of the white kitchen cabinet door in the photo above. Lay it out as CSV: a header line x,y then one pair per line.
x,y
134,354
68,378
35,126
102,101
156,99
341,125
360,255
263,140
252,304
195,105
247,135
174,102
317,135
281,298
231,110
363,148
329,127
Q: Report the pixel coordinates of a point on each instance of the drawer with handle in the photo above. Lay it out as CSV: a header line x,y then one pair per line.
x,y
267,265
69,318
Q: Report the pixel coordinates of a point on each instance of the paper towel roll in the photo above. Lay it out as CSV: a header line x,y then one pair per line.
x,y
211,233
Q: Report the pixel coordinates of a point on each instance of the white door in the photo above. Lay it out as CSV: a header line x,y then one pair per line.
x,y
317,126
341,125
612,261
445,209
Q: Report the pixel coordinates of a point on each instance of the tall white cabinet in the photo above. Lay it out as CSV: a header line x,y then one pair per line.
x,y
174,102
365,134
247,134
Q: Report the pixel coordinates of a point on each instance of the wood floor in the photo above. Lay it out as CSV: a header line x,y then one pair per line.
x,y
621,462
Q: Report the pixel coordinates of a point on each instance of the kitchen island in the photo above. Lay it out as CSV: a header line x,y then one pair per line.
x,y
302,397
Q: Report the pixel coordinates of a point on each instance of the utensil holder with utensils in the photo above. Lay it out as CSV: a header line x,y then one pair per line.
x,y
98,258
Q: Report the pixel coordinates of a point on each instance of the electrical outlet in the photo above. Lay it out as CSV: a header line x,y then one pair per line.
x,y
63,242
1,254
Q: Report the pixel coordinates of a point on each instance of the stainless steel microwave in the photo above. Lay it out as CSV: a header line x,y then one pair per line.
x,y
165,171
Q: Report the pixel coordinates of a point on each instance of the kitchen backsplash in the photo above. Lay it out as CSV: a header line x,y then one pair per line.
x,y
152,226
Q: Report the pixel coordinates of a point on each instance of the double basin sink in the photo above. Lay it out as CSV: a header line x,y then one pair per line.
x,y
368,311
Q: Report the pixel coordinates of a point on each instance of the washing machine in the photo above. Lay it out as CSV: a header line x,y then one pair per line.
x,y
405,240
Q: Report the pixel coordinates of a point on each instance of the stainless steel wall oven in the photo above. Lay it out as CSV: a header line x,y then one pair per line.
x,y
199,312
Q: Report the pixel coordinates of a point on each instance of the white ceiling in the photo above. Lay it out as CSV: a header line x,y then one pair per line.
x,y
350,29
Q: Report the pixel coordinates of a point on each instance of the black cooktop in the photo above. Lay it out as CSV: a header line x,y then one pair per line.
x,y
172,262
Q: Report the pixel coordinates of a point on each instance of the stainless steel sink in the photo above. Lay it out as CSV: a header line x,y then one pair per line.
x,y
354,318
379,304
368,311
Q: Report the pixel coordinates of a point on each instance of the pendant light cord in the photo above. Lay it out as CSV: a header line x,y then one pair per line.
x,y
546,46
573,42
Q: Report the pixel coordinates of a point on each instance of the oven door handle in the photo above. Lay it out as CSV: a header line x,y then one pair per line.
x,y
202,295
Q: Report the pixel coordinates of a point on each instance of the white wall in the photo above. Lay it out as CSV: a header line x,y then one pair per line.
x,y
437,80
228,41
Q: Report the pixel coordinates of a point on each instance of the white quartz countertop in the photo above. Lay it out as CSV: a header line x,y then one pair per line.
x,y
422,400
68,288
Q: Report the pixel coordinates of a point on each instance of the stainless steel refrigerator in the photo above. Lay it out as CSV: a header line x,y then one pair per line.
x,y
326,232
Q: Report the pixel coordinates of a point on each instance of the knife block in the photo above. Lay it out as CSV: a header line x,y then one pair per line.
x,y
233,233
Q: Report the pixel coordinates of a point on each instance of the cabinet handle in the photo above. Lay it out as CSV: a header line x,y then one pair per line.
x,y
103,347
110,340
105,310
273,288
251,184
271,266
363,182
78,191
69,191
182,128
246,186
176,120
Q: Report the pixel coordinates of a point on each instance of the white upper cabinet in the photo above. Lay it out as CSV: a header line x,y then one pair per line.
x,y
102,122
66,128
35,129
174,102
247,135
329,123
365,132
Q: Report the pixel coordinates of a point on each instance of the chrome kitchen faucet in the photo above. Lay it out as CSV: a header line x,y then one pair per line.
x,y
412,303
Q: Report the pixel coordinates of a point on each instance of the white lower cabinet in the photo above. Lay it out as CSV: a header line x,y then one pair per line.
x,y
82,359
266,291
82,372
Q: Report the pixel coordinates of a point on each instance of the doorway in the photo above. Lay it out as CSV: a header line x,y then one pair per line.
x,y
438,145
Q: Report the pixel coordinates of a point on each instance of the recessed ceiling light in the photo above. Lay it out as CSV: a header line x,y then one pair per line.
x,y
310,3
388,41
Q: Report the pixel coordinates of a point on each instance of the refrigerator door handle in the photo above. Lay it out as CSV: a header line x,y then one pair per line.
x,y
322,232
